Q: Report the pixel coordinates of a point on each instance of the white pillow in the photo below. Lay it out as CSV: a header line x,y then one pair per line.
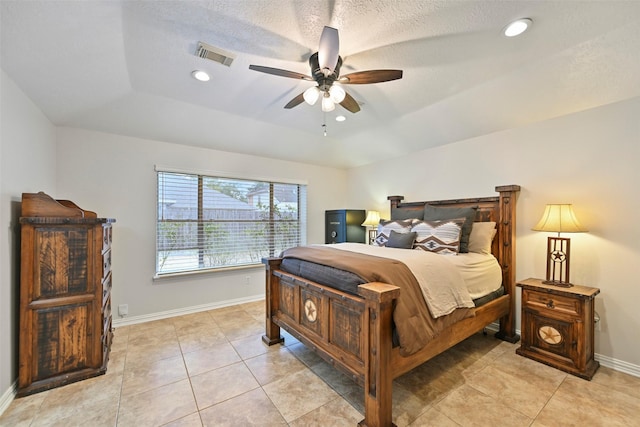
x,y
482,234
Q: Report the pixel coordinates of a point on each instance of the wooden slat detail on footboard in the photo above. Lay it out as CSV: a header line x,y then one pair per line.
x,y
331,322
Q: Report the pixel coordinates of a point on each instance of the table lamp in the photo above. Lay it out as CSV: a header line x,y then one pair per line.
x,y
371,222
558,218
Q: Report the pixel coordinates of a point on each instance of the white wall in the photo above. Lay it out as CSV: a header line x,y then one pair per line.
x,y
27,165
590,159
114,176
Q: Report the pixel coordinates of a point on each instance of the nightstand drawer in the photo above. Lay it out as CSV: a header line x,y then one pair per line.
x,y
549,302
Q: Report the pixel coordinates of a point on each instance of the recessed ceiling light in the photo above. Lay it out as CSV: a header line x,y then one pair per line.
x,y
340,118
200,75
517,27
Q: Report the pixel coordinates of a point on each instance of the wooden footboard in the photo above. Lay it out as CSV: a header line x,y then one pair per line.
x,y
354,334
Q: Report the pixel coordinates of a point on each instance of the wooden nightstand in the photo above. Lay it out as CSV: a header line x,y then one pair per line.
x,y
557,326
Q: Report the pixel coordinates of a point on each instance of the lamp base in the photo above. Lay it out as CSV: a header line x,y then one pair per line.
x,y
557,283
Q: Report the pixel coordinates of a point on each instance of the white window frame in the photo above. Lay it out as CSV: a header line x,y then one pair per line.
x,y
268,224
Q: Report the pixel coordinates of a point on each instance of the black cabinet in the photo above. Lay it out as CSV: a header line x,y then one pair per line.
x,y
343,225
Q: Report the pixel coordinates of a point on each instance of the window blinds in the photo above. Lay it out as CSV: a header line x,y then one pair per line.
x,y
207,222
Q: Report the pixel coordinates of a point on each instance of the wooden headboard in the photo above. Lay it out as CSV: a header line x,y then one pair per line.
x,y
501,209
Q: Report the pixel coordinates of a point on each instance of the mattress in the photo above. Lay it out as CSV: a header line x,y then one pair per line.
x,y
481,274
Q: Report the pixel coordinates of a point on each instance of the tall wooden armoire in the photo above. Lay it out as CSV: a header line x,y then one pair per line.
x,y
65,294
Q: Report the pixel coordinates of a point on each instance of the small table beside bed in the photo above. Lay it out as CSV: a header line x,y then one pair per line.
x,y
376,312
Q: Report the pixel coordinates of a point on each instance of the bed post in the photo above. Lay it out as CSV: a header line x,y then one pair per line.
x,y
272,331
507,255
380,300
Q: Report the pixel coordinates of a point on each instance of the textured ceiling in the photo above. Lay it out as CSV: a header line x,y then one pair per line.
x,y
125,67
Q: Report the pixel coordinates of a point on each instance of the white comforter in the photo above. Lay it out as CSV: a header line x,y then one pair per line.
x,y
441,282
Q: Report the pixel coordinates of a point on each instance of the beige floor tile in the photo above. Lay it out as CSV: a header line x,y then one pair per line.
x,y
469,407
225,313
63,401
241,326
299,393
237,379
252,346
408,406
21,412
585,403
304,354
274,365
431,381
191,420
153,347
210,358
200,340
157,406
141,376
513,391
159,328
253,408
98,413
120,340
434,418
618,381
535,373
336,413
256,310
117,359
198,322
338,381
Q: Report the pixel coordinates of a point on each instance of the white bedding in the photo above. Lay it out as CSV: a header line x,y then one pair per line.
x,y
442,284
474,275
481,272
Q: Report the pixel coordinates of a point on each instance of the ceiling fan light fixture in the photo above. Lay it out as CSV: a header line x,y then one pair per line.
x,y
311,95
327,103
337,94
517,27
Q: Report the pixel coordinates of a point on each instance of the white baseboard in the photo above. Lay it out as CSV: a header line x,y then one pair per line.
x,y
125,321
618,365
7,397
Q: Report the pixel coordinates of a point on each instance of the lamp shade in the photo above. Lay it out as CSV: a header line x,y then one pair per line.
x,y
372,219
559,218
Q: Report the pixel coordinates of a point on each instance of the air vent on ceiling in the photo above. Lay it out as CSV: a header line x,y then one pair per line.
x,y
214,54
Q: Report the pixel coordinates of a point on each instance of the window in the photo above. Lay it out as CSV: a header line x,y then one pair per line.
x,y
207,222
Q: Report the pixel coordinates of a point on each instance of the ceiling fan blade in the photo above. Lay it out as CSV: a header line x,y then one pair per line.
x,y
329,48
350,104
371,76
295,101
279,72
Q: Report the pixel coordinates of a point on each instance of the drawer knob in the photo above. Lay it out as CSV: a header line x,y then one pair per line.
x,y
550,303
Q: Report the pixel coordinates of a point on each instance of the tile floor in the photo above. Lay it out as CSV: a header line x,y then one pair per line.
x,y
211,369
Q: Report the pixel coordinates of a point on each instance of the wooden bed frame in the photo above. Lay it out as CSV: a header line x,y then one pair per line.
x,y
354,333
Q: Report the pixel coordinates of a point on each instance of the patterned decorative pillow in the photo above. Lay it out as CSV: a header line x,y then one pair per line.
x,y
432,213
385,227
440,236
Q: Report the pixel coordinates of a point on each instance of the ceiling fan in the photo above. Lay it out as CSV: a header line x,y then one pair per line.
x,y
325,71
